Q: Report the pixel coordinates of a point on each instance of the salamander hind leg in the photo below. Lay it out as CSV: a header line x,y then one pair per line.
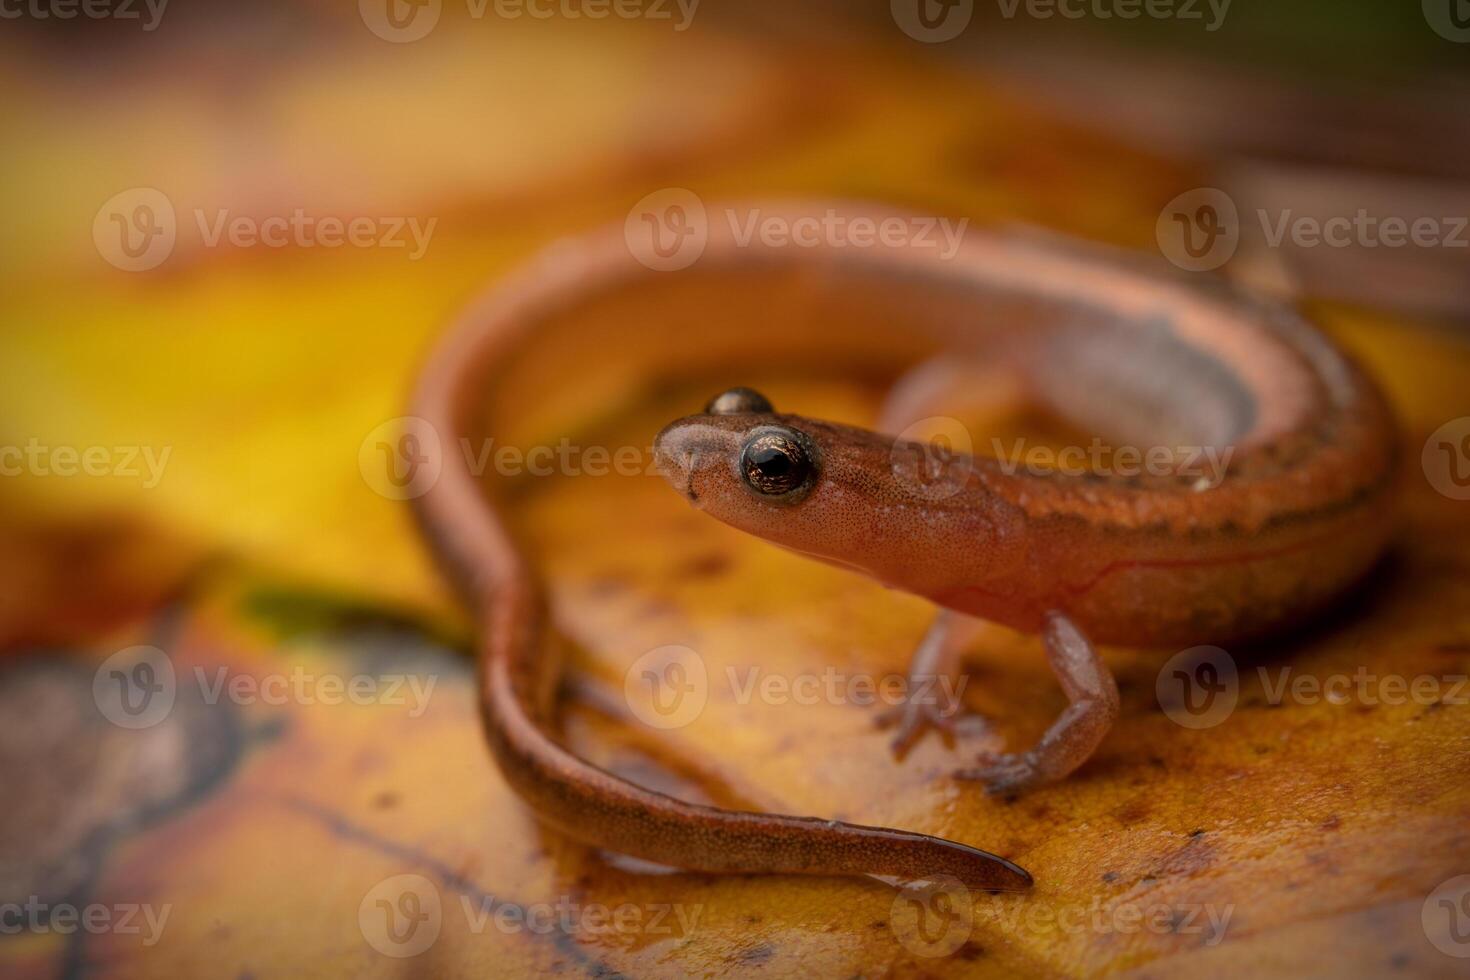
x,y
932,694
1092,708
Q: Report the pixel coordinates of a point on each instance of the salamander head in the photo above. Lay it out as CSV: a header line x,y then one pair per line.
x,y
834,492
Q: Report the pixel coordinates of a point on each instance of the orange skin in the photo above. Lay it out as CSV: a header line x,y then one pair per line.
x,y
1154,560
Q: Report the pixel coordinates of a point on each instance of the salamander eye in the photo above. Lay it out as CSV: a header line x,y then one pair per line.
x,y
777,461
739,401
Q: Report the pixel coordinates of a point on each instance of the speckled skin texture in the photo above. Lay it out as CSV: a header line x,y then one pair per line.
x,y
1137,564
1144,562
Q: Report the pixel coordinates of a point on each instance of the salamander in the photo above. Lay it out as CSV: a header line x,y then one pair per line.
x,y
1161,555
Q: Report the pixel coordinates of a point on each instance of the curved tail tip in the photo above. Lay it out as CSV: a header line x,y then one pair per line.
x,y
1013,877
986,871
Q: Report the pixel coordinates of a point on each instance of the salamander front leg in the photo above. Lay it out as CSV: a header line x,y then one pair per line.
x,y
1078,730
932,699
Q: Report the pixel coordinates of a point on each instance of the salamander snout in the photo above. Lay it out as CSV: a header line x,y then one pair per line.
x,y
692,454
